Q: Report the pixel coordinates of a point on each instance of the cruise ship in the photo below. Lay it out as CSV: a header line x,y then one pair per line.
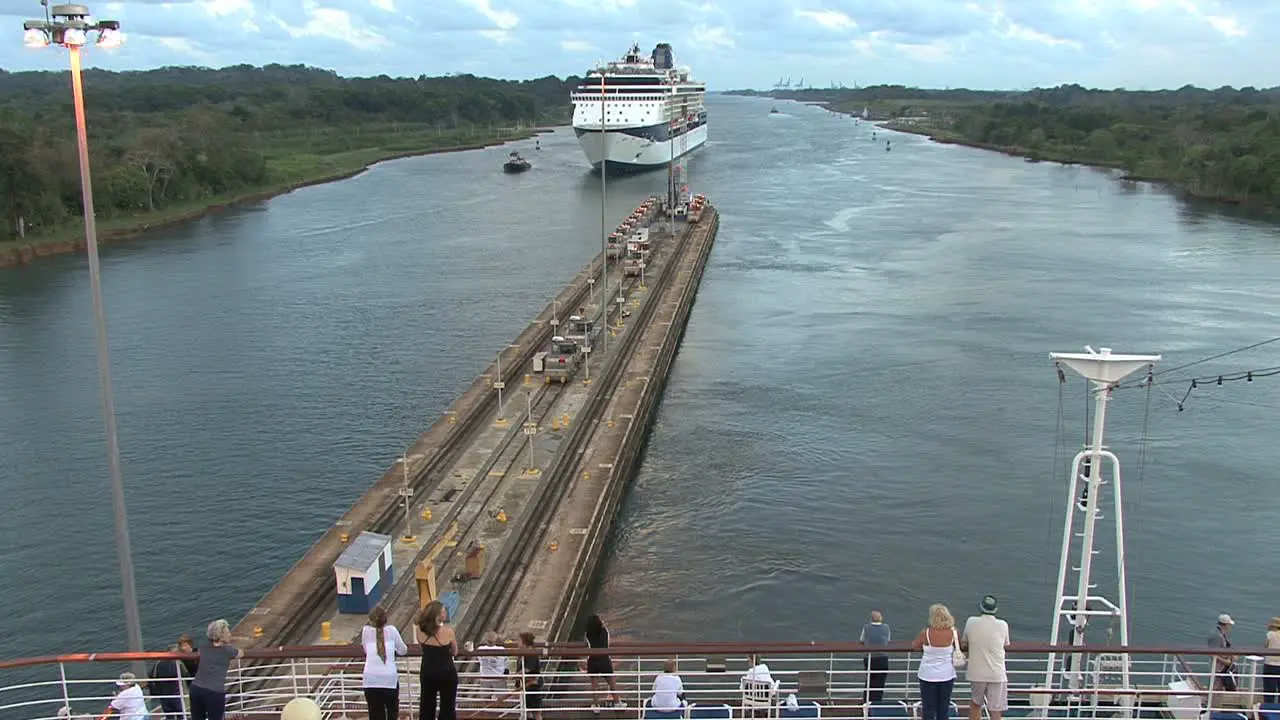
x,y
639,112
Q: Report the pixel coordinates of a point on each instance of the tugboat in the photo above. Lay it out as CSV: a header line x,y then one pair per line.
x,y
774,111
515,164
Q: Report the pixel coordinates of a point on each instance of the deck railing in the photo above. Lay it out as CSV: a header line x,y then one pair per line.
x,y
814,681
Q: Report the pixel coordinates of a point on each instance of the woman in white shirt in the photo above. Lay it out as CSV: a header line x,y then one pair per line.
x,y
382,643
668,689
937,643
1271,666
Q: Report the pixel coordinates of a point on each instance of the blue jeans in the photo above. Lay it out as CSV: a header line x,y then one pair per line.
x,y
935,699
1271,683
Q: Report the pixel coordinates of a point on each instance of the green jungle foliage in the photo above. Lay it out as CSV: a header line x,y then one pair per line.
x,y
1222,144
180,138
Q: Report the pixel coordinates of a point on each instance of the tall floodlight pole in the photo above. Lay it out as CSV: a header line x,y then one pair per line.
x,y
69,26
604,221
1074,603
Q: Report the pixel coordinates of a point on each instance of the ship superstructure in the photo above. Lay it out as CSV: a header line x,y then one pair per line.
x,y
639,111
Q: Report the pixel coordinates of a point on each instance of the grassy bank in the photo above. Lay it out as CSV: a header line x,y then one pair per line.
x,y
294,160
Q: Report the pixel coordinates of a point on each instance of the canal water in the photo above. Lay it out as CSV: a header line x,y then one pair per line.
x,y
862,416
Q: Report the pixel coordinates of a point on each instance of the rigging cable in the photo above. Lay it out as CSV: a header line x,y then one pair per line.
x,y
1140,493
1059,448
1258,344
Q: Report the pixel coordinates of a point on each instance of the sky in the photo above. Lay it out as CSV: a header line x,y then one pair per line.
x,y
995,44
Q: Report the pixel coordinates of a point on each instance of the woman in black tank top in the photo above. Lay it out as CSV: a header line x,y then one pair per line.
x,y
438,674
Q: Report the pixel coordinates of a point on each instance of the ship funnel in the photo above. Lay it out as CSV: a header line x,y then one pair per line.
x,y
662,57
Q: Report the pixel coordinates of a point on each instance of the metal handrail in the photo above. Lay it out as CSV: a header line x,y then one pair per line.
x,y
266,679
640,649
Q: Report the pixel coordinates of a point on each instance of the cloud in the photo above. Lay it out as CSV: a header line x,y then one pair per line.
x,y
728,43
831,19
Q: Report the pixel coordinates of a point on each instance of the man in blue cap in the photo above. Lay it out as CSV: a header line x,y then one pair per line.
x,y
985,638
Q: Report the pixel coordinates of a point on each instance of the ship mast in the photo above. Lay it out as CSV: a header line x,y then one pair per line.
x,y
1076,602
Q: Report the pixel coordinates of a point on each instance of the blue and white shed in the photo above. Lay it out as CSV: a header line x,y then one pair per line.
x,y
363,572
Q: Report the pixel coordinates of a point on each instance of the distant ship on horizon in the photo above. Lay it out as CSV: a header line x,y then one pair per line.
x,y
639,112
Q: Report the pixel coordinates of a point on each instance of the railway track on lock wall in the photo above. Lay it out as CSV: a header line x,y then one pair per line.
x,y
507,572
428,477
488,481
315,604
400,599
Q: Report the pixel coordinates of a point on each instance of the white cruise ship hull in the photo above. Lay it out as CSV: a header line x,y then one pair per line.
x,y
620,149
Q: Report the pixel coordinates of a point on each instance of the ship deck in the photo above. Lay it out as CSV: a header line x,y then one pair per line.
x,y
814,680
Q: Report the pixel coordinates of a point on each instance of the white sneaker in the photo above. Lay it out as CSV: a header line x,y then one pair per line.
x,y
595,709
619,704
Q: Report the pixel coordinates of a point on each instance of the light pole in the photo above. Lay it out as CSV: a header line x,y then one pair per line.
x,y
498,384
69,26
531,432
406,494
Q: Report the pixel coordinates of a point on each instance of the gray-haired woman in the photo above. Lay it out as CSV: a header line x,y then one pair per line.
x,y
209,686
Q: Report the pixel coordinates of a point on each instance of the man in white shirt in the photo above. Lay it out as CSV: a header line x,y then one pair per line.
x,y
668,689
129,703
493,668
985,638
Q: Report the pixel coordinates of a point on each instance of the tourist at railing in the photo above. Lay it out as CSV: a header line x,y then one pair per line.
x,y
1224,666
381,678
129,702
600,667
531,668
985,639
493,668
757,671
1271,666
875,634
668,689
209,686
166,681
438,674
937,643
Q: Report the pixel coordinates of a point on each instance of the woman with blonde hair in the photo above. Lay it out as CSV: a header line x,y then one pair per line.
x,y
438,674
382,643
1271,666
209,686
938,644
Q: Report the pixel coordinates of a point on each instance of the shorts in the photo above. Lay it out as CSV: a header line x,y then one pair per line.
x,y
533,698
994,696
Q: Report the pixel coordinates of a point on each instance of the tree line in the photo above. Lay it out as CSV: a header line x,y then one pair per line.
x,y
183,134
1222,143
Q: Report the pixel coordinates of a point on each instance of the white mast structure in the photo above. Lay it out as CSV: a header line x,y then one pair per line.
x,y
1075,602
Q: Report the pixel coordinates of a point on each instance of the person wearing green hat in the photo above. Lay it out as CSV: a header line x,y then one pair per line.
x,y
985,639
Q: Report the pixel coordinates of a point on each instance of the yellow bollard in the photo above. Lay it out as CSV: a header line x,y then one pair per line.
x,y
453,419
555,424
586,474
610,422
502,516
554,546
565,420
426,513
257,631
326,630
527,380
343,537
